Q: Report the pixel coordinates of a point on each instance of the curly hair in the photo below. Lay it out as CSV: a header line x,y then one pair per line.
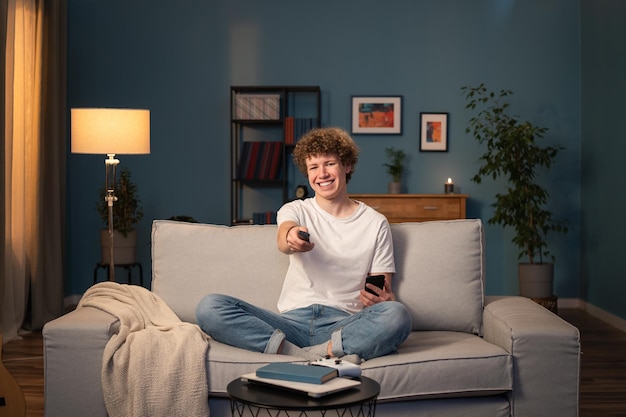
x,y
325,141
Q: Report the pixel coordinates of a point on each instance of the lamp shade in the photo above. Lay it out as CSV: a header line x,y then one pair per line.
x,y
110,131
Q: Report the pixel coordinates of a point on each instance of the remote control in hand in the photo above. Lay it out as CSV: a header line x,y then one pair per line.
x,y
303,235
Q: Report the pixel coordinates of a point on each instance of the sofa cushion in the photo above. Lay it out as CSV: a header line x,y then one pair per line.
x,y
442,364
427,365
190,260
440,272
439,268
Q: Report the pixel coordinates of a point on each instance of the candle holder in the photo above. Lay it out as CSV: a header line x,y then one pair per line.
x,y
448,187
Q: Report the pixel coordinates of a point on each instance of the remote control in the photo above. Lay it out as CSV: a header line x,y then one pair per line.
x,y
303,235
344,368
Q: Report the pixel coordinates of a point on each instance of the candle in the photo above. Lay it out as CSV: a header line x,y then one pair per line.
x,y
449,187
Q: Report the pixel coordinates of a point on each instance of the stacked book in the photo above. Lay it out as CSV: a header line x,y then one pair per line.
x,y
314,381
297,372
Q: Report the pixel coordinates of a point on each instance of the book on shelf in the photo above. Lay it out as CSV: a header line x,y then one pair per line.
x,y
297,372
264,217
253,160
296,127
260,161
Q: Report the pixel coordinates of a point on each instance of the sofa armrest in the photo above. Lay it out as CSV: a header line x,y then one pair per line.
x,y
546,355
73,348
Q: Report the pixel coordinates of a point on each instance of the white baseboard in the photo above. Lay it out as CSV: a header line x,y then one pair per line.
x,y
597,312
571,303
605,316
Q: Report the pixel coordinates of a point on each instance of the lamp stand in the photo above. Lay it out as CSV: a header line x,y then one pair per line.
x,y
110,167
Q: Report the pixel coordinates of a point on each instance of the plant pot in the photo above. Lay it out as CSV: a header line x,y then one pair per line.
x,y
535,280
124,247
394,188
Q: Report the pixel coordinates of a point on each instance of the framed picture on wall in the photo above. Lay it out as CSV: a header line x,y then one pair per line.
x,y
433,132
377,115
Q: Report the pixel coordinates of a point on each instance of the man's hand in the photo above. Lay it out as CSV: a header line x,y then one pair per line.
x,y
289,241
385,294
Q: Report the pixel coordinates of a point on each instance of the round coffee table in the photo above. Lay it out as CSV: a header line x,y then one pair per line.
x,y
248,398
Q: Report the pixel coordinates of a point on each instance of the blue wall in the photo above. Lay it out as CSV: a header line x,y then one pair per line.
x,y
179,59
603,279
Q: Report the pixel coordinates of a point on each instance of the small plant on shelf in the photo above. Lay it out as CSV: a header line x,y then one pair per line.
x,y
395,166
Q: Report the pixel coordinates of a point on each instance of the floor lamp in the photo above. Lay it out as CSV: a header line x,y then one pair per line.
x,y
110,132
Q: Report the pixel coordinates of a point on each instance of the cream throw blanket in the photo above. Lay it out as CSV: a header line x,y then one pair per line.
x,y
155,364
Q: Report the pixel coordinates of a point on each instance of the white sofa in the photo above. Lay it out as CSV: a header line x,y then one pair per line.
x,y
469,355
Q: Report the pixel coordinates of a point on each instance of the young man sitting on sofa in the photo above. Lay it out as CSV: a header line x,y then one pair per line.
x,y
324,307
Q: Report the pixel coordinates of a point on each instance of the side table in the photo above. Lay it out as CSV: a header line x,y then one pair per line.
x,y
252,399
127,267
551,303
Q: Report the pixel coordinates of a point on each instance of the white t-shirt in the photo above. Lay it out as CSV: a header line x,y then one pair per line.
x,y
346,251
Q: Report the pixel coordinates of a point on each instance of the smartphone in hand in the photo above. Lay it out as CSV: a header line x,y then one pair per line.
x,y
377,280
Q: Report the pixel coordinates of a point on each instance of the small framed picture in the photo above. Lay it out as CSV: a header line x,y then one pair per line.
x,y
433,132
377,115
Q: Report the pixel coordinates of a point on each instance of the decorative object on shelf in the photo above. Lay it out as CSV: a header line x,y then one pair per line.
x,y
302,191
110,131
257,107
433,132
512,152
448,186
395,168
127,212
377,115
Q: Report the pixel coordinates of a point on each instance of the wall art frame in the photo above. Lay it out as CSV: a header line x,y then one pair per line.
x,y
377,115
434,132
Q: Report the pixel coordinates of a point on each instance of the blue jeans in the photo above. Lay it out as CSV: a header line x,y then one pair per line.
x,y
375,331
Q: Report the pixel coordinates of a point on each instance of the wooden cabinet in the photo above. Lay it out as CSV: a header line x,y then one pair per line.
x,y
400,208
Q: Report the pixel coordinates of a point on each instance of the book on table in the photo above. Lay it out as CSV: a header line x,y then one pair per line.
x,y
297,372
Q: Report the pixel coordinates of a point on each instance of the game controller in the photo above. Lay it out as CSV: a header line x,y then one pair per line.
x,y
344,368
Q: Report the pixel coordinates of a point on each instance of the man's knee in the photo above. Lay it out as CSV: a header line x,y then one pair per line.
x,y
208,308
398,317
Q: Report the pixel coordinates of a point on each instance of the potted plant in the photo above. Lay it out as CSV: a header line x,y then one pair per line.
x,y
514,154
395,168
126,213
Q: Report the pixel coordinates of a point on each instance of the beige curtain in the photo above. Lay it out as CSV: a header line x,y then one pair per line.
x,y
33,164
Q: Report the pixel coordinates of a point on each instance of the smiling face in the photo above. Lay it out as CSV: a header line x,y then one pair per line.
x,y
327,175
329,142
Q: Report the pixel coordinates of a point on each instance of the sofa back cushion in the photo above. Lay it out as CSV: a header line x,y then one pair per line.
x,y
190,260
440,273
440,268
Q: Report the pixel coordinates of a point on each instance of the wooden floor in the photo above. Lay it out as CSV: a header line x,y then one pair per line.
x,y
602,385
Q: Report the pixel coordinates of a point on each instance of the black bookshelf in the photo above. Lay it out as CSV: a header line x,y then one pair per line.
x,y
266,122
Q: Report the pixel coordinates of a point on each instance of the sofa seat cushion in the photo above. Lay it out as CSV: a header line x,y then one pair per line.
x,y
226,363
442,364
428,365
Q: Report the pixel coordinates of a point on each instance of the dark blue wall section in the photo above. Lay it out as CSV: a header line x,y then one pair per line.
x,y
179,59
603,277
